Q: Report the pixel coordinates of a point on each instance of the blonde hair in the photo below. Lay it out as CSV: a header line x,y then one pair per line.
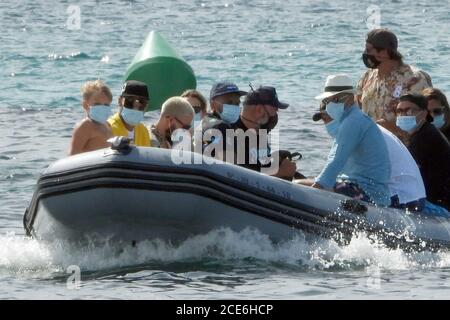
x,y
90,87
177,107
197,95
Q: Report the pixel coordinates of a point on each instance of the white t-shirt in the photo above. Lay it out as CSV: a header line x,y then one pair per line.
x,y
406,181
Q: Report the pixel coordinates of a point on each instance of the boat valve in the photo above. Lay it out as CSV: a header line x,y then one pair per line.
x,y
121,144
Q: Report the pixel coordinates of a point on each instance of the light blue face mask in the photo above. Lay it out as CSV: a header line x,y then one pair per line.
x,y
100,113
230,113
197,117
196,121
406,123
332,128
439,121
335,110
132,117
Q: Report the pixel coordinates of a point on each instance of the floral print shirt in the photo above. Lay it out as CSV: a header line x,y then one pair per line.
x,y
379,97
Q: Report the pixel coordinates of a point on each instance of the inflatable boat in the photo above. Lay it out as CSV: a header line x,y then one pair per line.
x,y
133,194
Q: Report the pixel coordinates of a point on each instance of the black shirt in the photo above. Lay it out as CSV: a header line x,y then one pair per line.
x,y
431,150
251,148
446,133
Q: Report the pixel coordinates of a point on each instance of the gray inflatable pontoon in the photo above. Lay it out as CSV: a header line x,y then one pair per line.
x,y
136,194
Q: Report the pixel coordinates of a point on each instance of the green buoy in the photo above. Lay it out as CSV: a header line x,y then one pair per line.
x,y
163,70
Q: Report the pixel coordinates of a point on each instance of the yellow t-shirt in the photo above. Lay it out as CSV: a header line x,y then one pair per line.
x,y
141,134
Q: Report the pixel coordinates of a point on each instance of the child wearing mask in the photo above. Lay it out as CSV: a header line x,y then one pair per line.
x,y
93,131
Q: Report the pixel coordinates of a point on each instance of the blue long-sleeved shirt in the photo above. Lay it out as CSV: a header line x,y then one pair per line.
x,y
359,154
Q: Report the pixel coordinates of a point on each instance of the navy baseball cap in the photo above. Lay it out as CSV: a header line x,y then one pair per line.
x,y
135,88
265,95
222,88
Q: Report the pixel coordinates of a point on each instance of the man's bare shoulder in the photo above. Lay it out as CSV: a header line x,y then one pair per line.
x,y
93,128
84,124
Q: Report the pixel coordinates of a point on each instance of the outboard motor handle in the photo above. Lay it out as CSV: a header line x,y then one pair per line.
x,y
121,144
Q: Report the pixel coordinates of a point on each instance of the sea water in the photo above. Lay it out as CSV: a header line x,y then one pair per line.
x,y
48,49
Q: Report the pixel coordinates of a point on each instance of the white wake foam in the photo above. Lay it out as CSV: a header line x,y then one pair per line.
x,y
28,257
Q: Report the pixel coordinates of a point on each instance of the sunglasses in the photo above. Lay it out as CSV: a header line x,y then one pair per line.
x,y
437,111
131,100
184,126
336,99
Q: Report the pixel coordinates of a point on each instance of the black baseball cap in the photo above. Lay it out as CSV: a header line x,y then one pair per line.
x,y
221,88
265,95
135,88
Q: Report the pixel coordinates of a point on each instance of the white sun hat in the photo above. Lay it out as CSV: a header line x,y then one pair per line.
x,y
335,84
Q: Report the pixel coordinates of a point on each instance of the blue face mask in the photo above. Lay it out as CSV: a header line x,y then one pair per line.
x,y
196,121
406,123
197,117
132,117
439,121
100,113
332,128
230,113
335,110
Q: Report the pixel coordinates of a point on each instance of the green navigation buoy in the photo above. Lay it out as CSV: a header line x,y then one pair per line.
x,y
163,70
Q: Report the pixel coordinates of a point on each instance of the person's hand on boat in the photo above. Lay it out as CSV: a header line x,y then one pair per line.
x,y
317,186
287,169
308,182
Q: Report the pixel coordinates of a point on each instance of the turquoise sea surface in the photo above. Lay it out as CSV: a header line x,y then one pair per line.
x,y
293,45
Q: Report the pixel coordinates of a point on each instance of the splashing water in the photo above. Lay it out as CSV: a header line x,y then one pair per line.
x,y
41,104
29,257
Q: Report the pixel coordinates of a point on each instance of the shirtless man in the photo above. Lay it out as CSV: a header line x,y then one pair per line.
x,y
93,131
